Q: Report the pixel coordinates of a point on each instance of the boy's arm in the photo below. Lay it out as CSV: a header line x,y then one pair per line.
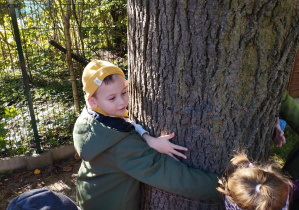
x,y
138,128
161,144
136,159
289,111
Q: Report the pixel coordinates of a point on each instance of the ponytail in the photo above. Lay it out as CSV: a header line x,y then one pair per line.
x,y
251,186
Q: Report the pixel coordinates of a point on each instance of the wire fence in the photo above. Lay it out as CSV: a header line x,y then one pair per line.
x,y
51,33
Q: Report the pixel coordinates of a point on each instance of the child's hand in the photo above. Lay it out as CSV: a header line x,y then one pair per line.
x,y
163,145
278,136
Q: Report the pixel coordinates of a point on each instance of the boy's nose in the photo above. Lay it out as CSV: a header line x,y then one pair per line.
x,y
121,101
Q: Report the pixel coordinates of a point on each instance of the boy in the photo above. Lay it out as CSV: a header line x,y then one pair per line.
x,y
115,159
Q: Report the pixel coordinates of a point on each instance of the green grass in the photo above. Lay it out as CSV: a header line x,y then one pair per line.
x,y
54,114
281,154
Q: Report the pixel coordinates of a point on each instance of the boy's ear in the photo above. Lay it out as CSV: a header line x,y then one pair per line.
x,y
92,102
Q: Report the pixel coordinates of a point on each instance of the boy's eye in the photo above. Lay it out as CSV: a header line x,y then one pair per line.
x,y
111,99
124,92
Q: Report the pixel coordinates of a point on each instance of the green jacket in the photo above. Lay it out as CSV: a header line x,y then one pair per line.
x,y
289,111
114,163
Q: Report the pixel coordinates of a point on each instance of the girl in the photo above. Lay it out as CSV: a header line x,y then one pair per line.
x,y
248,186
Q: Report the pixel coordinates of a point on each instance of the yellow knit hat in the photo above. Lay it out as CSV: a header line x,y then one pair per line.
x,y
94,74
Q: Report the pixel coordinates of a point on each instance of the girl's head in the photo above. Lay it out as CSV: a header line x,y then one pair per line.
x,y
254,187
105,88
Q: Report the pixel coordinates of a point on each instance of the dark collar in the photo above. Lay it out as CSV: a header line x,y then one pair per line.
x,y
118,124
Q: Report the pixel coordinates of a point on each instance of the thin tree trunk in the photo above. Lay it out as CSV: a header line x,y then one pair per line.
x,y
79,24
214,72
69,55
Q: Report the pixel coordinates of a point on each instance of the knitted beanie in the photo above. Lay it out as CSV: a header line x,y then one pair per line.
x,y
94,74
42,199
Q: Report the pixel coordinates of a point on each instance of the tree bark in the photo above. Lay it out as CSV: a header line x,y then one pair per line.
x,y
214,72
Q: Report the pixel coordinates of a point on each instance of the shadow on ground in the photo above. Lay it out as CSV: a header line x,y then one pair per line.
x,y
61,177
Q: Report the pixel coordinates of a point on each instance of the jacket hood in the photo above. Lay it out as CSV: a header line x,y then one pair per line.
x,y
91,137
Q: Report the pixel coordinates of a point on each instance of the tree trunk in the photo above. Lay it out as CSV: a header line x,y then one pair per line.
x,y
214,72
69,55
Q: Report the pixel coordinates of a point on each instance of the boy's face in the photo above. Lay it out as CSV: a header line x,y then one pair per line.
x,y
112,98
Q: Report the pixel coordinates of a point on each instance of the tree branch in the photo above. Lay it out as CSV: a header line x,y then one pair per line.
x,y
74,56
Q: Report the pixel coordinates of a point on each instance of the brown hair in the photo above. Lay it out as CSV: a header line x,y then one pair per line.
x,y
239,184
109,79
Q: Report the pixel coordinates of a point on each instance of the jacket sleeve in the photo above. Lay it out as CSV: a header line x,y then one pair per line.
x,y
138,160
289,111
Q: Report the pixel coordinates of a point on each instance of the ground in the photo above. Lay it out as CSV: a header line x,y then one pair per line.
x,y
61,177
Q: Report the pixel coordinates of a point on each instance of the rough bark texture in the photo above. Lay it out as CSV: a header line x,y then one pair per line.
x,y
214,72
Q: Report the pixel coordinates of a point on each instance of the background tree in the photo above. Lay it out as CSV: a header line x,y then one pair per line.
x,y
214,73
49,29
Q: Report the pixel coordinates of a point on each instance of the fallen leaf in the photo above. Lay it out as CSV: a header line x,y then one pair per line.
x,y
76,156
36,171
29,174
23,173
67,168
19,174
16,176
57,165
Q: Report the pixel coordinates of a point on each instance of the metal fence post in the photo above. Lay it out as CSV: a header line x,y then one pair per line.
x,y
24,73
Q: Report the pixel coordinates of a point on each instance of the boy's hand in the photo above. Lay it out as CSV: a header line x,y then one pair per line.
x,y
163,145
278,137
